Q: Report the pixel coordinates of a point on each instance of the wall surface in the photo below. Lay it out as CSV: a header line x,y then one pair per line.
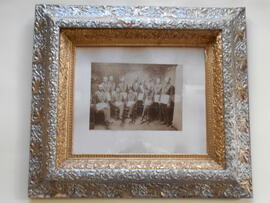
x,y
16,23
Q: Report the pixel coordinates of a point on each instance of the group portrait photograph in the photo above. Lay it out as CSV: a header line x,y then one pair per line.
x,y
126,96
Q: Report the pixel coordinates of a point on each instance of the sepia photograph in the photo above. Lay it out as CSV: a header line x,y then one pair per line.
x,y
126,96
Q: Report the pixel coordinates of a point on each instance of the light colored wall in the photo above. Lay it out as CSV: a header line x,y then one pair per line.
x,y
16,30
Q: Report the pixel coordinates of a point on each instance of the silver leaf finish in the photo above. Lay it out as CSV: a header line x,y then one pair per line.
x,y
47,181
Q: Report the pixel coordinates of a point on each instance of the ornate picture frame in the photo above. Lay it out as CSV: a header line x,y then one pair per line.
x,y
224,172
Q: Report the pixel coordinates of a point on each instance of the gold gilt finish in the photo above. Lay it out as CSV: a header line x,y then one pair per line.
x,y
215,103
65,92
208,39
140,37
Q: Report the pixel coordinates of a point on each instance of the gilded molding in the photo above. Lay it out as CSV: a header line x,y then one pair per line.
x,y
209,39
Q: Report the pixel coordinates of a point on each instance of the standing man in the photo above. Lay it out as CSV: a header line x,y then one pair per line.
x,y
131,100
107,89
151,84
135,85
102,105
167,102
111,84
123,88
148,101
105,84
136,88
157,95
140,99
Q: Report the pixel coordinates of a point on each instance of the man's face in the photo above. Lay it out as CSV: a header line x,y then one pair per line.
x,y
105,79
111,78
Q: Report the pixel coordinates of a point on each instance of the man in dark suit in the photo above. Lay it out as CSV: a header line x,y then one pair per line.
x,y
167,102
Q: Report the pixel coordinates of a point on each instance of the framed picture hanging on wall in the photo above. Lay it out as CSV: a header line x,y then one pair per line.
x,y
139,102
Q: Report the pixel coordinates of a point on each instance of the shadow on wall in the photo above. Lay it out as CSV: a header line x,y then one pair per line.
x,y
21,60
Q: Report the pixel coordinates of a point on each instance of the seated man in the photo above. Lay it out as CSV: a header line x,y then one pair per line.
x,y
118,103
102,105
131,101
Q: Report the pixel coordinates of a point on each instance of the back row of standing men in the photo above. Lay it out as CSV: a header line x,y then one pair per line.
x,y
151,94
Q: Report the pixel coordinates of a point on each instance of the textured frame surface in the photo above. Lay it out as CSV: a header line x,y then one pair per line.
x,y
210,40
46,180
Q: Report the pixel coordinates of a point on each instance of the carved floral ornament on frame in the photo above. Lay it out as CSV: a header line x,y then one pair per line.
x,y
139,102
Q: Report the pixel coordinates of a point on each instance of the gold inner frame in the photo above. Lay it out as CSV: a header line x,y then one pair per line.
x,y
210,40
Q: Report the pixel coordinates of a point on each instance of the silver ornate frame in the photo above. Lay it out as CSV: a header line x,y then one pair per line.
x,y
48,181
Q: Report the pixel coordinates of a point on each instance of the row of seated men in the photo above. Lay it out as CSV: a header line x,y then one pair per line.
x,y
147,100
